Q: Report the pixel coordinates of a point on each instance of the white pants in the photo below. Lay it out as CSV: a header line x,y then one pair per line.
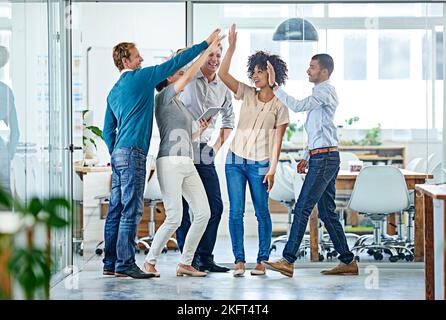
x,y
178,177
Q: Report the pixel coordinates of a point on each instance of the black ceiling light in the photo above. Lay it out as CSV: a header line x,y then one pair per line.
x,y
295,29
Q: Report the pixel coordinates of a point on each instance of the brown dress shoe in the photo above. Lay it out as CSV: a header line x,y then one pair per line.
x,y
342,268
108,273
281,265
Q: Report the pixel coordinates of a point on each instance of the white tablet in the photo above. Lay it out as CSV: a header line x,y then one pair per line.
x,y
209,113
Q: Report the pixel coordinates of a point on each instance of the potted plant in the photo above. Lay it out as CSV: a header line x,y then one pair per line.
x,y
89,136
373,137
30,265
341,131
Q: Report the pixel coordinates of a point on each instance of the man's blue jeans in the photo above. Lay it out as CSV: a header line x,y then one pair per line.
x,y
240,171
125,208
319,188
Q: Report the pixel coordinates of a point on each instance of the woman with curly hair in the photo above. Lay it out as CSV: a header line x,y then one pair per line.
x,y
255,149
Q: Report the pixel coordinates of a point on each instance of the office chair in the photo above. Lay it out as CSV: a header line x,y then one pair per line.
x,y
342,196
377,200
416,165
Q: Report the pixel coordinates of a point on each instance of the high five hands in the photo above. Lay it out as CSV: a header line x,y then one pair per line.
x,y
232,37
214,39
214,35
271,73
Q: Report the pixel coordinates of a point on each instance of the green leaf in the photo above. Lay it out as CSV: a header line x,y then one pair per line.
x,y
84,112
29,267
35,206
53,207
95,130
5,199
94,143
57,222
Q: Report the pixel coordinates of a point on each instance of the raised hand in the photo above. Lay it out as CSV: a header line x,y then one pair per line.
x,y
271,73
213,36
232,38
216,42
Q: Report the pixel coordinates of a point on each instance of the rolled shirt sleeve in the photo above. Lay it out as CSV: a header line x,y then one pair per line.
x,y
227,113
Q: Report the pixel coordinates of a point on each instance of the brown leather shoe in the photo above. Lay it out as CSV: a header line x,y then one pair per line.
x,y
108,273
281,265
342,268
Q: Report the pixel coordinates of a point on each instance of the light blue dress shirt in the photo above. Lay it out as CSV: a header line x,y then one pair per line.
x,y
321,107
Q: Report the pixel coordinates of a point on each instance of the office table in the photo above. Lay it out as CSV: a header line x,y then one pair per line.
x,y
434,203
82,170
346,181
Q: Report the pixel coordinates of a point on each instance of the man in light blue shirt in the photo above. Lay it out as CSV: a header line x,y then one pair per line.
x,y
322,159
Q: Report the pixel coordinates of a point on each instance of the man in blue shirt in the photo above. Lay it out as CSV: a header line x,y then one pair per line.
x,y
322,158
127,133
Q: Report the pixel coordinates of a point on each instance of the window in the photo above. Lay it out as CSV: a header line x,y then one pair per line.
x,y
299,58
394,56
427,56
355,57
264,41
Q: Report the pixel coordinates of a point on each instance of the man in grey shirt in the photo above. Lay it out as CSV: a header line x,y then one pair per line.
x,y
207,91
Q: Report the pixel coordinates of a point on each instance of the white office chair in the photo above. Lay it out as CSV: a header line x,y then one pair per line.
x,y
417,165
437,172
377,200
342,196
432,162
152,196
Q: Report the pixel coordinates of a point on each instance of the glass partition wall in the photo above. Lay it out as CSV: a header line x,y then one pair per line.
x,y
35,125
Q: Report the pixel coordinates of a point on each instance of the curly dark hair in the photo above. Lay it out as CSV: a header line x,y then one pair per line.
x,y
261,57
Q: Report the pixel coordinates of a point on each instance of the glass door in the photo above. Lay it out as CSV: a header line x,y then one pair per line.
x,y
59,129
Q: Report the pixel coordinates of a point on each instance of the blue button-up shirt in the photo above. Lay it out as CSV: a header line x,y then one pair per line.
x,y
321,107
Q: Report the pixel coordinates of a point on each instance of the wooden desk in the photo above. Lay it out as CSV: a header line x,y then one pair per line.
x,y
82,170
435,254
388,154
346,181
